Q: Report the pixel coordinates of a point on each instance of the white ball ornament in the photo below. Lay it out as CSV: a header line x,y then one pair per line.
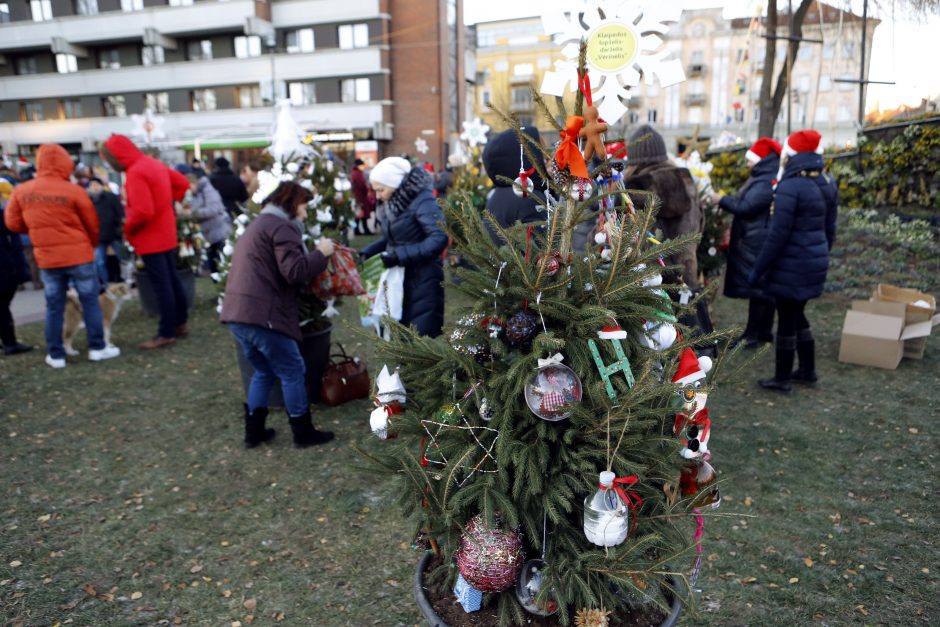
x,y
521,189
600,238
606,254
581,189
293,168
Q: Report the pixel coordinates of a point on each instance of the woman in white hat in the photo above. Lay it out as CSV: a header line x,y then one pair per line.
x,y
412,238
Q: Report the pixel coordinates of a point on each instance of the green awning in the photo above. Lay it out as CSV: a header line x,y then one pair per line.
x,y
235,143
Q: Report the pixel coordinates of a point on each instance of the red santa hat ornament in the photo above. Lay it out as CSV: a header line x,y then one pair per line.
x,y
762,148
806,140
691,368
612,331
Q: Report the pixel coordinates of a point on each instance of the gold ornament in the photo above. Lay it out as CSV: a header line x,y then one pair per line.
x,y
591,618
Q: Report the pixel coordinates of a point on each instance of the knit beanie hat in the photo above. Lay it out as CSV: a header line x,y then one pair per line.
x,y
646,146
390,171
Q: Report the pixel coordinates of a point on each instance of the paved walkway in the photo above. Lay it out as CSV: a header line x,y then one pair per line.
x,y
28,305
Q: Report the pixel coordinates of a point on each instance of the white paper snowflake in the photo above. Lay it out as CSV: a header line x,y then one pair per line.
x,y
625,45
148,127
421,146
474,132
700,170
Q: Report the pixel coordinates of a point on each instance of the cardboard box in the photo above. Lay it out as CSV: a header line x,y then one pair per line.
x,y
923,312
875,332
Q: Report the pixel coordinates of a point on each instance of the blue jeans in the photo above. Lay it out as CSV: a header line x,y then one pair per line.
x,y
101,259
161,268
84,279
274,356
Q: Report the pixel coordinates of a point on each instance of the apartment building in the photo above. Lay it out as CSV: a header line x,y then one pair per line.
x,y
73,71
723,61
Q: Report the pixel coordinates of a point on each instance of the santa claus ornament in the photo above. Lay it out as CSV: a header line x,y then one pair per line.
x,y
692,424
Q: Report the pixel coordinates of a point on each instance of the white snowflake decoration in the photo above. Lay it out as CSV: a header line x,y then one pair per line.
x,y
421,146
700,170
474,132
624,46
148,127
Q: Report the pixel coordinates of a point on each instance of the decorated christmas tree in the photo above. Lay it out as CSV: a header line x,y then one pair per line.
x,y
552,447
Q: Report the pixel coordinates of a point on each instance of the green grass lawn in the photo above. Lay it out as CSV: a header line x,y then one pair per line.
x,y
127,498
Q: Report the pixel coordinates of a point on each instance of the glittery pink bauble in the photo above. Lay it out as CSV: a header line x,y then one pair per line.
x,y
489,559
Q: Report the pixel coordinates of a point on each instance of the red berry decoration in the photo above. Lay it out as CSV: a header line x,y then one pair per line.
x,y
489,559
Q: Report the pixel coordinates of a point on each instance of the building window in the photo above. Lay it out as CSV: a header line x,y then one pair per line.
x,y
249,96
740,56
355,90
523,69
70,108
204,100
132,5
739,114
86,7
848,50
805,53
66,63
697,87
4,12
152,55
695,115
200,50
822,115
158,102
109,59
30,111
521,98
829,50
26,65
698,57
114,106
299,41
825,83
302,93
181,3
353,36
843,114
846,86
247,46
651,116
486,97
41,10
633,118
802,83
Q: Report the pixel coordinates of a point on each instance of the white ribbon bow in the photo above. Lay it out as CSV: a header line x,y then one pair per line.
x,y
554,360
330,311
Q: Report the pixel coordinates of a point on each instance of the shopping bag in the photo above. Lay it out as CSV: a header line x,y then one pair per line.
x,y
341,278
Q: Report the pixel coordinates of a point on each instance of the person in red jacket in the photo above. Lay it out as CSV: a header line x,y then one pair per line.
x,y
150,227
63,226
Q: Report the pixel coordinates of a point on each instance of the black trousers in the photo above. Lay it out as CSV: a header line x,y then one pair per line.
x,y
161,268
791,317
7,330
760,319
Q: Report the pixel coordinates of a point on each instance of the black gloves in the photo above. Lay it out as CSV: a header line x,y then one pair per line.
x,y
389,260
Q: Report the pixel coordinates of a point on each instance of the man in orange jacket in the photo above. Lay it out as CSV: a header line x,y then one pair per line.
x,y
63,226
150,227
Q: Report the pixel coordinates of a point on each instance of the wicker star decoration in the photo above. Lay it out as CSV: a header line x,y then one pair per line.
x,y
434,455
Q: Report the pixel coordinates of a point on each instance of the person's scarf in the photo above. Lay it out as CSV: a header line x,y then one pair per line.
x,y
274,210
413,184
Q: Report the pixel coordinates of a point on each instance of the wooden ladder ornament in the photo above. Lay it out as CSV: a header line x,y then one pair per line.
x,y
621,365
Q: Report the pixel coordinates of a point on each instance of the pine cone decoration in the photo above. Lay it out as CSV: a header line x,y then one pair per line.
x,y
591,618
520,331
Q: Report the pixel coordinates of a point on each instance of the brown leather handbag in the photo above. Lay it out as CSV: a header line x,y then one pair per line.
x,y
344,380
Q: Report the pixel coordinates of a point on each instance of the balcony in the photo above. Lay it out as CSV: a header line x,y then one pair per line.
x,y
184,127
117,25
695,70
195,74
306,12
695,100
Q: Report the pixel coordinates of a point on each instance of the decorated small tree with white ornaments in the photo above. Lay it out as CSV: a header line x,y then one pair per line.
x,y
553,451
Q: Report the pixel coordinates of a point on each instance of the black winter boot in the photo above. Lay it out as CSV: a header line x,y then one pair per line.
x,y
255,431
304,432
806,352
786,351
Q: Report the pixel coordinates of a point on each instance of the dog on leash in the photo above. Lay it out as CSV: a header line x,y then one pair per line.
x,y
110,301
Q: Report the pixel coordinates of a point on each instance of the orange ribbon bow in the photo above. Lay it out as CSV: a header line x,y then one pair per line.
x,y
568,155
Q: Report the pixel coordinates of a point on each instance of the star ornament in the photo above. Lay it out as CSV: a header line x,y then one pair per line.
x,y
148,127
477,458
474,132
421,146
625,45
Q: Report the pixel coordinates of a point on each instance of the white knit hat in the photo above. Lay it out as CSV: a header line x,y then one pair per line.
x,y
390,171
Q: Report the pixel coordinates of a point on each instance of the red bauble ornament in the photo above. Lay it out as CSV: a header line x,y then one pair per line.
x,y
489,559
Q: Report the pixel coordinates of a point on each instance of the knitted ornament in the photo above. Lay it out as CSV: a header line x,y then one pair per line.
x,y
581,189
521,330
489,559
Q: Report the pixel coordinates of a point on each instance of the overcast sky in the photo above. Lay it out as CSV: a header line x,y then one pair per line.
x,y
901,51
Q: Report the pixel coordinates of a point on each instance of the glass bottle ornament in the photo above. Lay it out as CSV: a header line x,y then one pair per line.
x,y
606,518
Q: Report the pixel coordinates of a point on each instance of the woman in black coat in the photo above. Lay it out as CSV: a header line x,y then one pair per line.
x,y
793,263
750,208
412,238
13,272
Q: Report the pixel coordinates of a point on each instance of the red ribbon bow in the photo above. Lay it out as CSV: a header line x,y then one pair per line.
x,y
524,179
630,498
568,155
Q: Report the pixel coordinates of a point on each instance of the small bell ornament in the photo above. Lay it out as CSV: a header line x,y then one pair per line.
x,y
606,518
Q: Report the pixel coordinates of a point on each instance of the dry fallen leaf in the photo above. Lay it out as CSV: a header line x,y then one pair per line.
x,y
808,562
136,595
913,430
195,569
236,623
748,501
279,616
249,618
16,564
794,579
226,593
44,518
250,604
90,589
861,608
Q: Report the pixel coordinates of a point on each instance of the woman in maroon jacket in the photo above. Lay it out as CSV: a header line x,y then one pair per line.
x,y
260,307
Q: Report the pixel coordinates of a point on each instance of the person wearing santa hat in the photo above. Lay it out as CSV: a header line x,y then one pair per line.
x,y
412,238
793,262
750,207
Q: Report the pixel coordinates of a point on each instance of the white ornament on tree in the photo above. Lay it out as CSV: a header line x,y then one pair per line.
x,y
474,132
606,519
623,46
287,141
421,145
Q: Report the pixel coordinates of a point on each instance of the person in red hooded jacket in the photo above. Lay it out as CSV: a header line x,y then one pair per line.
x,y
63,226
150,227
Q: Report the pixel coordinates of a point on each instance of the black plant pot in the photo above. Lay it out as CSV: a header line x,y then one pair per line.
x,y
315,350
435,621
148,297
